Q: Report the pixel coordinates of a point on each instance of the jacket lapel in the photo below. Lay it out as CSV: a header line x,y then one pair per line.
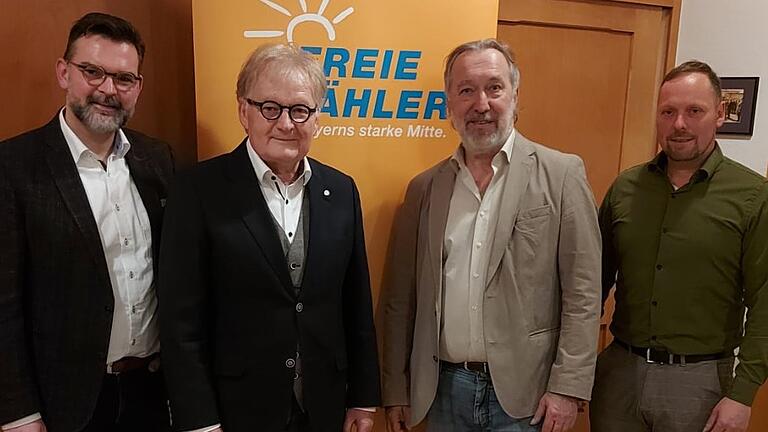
x,y
67,180
255,214
518,176
439,203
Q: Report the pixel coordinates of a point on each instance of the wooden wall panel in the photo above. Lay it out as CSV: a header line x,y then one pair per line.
x,y
33,34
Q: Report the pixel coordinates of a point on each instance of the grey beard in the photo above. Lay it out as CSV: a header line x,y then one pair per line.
x,y
97,122
493,141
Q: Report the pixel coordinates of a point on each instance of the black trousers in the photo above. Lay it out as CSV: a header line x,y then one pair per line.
x,y
131,401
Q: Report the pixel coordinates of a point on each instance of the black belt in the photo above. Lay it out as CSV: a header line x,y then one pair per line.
x,y
470,366
130,364
652,355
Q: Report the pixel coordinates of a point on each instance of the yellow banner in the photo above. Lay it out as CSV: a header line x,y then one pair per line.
x,y
384,119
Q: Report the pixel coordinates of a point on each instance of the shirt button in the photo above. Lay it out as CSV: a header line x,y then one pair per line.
x,y
482,214
133,341
476,275
125,241
659,266
478,244
117,207
130,274
435,359
290,363
474,307
299,307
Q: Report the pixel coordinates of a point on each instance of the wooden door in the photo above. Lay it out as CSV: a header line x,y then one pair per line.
x,y
589,78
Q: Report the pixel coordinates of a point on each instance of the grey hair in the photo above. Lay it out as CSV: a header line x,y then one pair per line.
x,y
287,59
482,45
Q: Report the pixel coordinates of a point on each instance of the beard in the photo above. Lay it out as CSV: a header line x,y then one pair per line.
x,y
99,122
479,141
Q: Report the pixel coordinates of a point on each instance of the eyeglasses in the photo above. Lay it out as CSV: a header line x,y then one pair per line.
x,y
272,110
96,75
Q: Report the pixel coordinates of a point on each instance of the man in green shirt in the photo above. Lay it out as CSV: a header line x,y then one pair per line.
x,y
685,241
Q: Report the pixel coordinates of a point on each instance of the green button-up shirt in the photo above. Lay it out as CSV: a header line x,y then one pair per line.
x,y
687,262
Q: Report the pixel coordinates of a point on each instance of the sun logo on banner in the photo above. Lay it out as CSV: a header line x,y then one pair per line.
x,y
306,16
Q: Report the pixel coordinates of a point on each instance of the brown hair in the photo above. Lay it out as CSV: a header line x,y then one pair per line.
x,y
696,66
109,26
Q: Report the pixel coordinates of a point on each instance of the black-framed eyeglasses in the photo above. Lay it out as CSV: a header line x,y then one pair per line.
x,y
272,110
96,75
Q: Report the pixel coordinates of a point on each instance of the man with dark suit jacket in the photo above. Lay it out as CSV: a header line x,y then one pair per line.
x,y
80,211
266,316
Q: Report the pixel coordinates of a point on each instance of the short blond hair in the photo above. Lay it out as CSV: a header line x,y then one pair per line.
x,y
287,59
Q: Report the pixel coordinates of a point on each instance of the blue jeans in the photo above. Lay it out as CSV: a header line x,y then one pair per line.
x,y
466,402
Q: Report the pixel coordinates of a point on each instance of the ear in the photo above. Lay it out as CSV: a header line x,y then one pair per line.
x,y
62,73
139,86
242,113
720,113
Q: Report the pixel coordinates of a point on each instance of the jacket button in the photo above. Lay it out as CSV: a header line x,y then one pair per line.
x,y
290,363
108,308
299,307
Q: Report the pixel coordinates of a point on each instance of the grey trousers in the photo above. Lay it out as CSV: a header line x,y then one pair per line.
x,y
631,395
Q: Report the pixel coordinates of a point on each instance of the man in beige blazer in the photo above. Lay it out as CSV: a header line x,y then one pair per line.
x,y
492,292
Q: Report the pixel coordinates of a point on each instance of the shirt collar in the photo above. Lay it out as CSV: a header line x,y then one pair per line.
x,y
77,148
505,153
659,163
265,174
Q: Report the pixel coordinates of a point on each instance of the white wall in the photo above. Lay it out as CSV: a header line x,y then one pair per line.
x,y
731,36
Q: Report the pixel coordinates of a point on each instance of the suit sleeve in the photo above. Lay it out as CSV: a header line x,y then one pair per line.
x,y
363,388
572,373
18,389
399,300
185,310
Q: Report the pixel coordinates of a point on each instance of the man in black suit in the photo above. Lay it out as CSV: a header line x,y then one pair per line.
x,y
266,316
80,211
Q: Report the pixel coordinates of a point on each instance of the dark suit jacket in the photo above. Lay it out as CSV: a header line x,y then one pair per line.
x,y
55,295
228,316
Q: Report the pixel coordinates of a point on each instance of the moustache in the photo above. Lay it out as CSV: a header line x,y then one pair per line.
x,y
108,101
479,118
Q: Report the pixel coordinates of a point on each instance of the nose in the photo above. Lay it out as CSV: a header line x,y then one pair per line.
x,y
481,104
108,86
284,122
680,122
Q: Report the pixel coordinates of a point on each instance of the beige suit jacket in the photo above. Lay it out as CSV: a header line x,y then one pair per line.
x,y
541,308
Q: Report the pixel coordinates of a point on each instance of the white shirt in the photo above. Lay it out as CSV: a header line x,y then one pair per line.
x,y
469,231
284,201
126,238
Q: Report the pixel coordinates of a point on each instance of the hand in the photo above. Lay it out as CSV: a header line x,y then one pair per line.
x,y
35,426
728,416
361,419
397,418
558,411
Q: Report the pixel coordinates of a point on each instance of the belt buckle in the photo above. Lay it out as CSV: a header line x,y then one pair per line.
x,y
648,356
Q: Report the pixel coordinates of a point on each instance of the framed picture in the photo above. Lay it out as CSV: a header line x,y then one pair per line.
x,y
739,102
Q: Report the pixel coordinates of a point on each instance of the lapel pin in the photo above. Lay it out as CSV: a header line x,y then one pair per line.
x,y
326,193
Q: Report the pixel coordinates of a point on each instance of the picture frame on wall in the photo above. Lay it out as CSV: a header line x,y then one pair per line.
x,y
739,103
